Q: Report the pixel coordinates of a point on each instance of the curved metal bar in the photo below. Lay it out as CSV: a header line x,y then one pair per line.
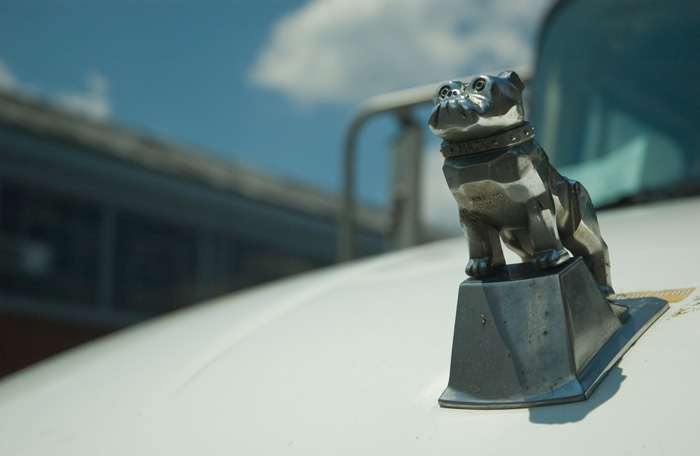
x,y
395,101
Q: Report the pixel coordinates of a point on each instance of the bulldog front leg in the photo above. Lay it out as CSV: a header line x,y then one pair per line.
x,y
485,251
548,250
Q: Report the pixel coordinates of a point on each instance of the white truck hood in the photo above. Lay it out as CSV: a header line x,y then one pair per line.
x,y
352,359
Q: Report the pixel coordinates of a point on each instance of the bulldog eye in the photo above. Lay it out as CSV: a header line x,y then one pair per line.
x,y
479,84
444,90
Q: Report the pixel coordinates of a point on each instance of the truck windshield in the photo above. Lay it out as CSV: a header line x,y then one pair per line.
x,y
617,97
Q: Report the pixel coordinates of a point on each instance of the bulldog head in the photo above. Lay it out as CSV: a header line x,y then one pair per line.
x,y
478,108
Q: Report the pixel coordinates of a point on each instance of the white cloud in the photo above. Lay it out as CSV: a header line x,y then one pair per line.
x,y
93,103
343,51
8,81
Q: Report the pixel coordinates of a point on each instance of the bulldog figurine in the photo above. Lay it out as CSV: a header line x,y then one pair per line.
x,y
504,185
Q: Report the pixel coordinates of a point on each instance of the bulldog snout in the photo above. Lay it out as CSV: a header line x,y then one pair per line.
x,y
456,93
449,91
452,93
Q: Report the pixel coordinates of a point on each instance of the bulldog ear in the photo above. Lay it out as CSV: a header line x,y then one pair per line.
x,y
513,78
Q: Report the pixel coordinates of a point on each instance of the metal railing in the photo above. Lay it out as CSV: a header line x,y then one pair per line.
x,y
401,104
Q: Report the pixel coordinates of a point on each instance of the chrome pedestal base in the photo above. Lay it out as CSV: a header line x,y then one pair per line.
x,y
526,337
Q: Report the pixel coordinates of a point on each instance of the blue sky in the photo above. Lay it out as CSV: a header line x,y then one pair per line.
x,y
269,84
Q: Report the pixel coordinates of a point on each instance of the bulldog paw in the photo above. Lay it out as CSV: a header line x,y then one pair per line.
x,y
549,258
479,267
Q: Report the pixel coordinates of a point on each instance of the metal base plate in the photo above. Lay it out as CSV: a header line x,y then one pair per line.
x,y
479,380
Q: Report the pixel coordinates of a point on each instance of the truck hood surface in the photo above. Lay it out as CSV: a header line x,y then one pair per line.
x,y
352,359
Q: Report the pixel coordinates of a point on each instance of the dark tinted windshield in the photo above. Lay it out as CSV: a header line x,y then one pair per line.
x,y
617,96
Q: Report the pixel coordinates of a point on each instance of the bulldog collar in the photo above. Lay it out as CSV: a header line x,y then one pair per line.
x,y
518,135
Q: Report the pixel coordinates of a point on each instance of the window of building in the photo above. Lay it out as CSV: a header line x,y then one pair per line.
x,y
239,263
155,264
48,245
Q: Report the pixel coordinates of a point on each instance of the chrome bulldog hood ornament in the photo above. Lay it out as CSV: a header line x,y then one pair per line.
x,y
511,189
549,329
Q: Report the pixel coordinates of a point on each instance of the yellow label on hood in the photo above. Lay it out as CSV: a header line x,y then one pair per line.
x,y
676,295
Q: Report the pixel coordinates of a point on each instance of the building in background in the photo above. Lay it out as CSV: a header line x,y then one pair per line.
x,y
101,228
